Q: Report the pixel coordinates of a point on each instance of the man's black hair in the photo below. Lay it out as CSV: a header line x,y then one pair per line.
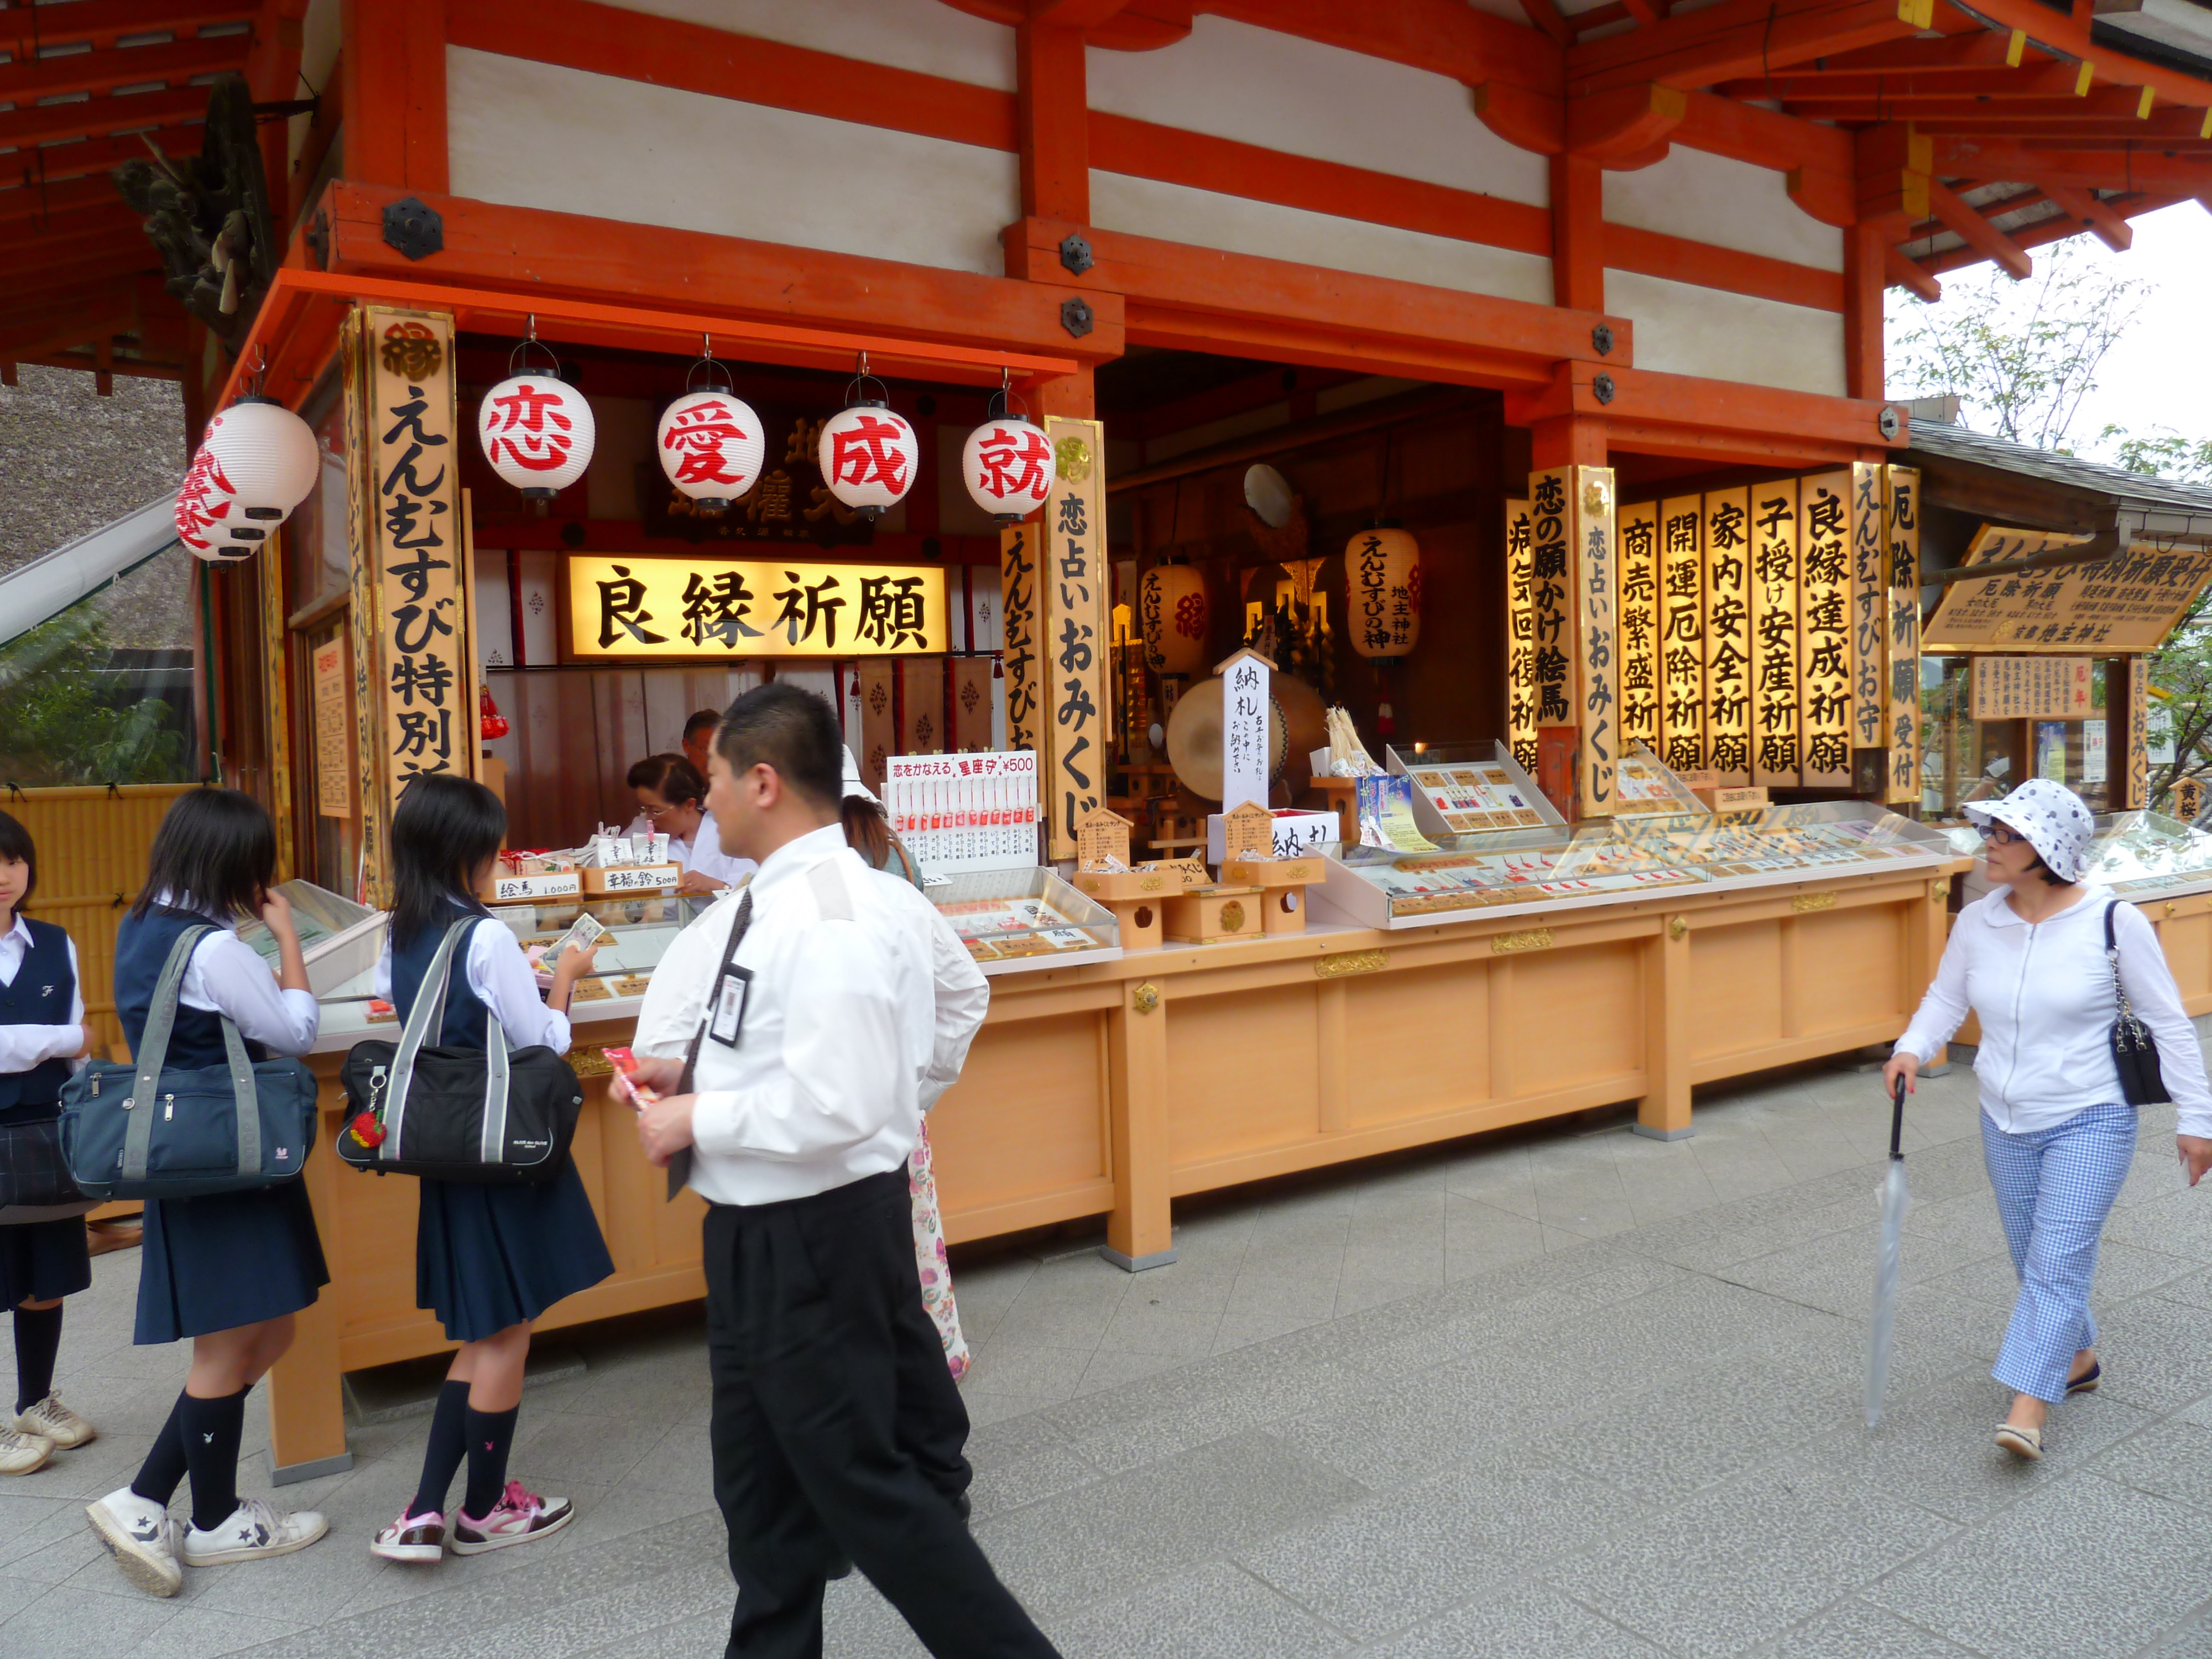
x,y
793,730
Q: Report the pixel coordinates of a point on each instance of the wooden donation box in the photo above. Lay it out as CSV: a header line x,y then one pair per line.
x,y
1138,895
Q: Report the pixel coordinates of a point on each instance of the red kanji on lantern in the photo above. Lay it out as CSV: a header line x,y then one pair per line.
x,y
1190,615
1009,467
534,432
868,452
203,502
706,436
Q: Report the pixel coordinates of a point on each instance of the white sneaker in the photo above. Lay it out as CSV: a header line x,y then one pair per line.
x,y
138,1533
21,1453
54,1421
256,1529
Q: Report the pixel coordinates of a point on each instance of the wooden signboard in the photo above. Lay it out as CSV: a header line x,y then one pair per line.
x,y
1903,534
1245,747
1824,663
1728,654
1640,683
1682,635
1020,600
2127,602
2188,798
713,608
1520,637
1076,582
1597,584
1777,751
1552,598
1102,840
1247,832
333,745
2135,764
2031,688
1869,606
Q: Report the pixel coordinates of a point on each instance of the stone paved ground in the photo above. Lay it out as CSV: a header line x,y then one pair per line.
x,y
1554,1392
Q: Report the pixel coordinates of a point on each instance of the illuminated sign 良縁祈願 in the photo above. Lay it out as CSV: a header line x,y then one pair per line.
x,y
656,607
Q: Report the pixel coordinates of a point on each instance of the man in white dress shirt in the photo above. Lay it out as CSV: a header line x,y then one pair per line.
x,y
821,1031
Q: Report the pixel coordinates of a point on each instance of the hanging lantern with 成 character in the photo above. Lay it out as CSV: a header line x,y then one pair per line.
x,y
868,453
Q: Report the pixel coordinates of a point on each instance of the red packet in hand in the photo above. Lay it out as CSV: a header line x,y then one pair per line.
x,y
624,1063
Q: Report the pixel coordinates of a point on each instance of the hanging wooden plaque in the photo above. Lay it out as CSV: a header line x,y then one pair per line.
x,y
1728,636
1520,637
1776,754
1824,629
1076,584
1640,675
1869,606
1682,635
1902,534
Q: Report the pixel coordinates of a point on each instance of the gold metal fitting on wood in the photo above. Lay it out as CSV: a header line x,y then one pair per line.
x,y
1145,998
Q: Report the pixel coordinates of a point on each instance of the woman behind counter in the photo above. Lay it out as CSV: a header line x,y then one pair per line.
x,y
671,801
2057,1134
487,1259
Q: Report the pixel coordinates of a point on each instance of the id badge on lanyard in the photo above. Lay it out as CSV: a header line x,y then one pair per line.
x,y
729,1013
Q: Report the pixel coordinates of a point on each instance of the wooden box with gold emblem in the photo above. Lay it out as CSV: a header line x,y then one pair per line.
x,y
1213,914
1283,902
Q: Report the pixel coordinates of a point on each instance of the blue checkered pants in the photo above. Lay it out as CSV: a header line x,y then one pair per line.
x,y
2054,1190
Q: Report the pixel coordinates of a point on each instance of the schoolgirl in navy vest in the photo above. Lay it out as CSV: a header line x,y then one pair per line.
x,y
229,1270
41,1030
487,1259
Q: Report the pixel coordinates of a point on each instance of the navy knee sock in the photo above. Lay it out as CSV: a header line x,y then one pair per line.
x,y
163,1470
449,1443
490,1435
38,1340
212,1429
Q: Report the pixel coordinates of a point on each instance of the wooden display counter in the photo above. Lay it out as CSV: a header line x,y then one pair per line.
x,y
1114,1087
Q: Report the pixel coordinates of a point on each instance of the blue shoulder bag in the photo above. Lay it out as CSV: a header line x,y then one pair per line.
x,y
143,1131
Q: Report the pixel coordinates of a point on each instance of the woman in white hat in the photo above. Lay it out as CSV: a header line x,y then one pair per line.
x,y
2058,1133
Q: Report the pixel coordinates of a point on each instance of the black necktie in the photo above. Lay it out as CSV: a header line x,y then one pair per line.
x,y
679,1165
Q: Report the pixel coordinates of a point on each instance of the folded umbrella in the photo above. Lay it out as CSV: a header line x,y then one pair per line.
x,y
1894,1203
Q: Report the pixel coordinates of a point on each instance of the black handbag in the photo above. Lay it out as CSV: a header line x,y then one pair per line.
x,y
35,1176
2135,1051
488,1115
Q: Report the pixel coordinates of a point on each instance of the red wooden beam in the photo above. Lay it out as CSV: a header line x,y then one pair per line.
x,y
1976,49
1546,15
1657,403
44,205
104,69
2083,206
122,243
2068,36
2059,162
1907,272
102,21
1976,232
1445,36
94,156
49,123
2044,232
2041,79
1607,126
1737,37
1051,128
392,56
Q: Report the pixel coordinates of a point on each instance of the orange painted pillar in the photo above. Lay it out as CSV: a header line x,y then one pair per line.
x,y
1864,280
392,85
1053,122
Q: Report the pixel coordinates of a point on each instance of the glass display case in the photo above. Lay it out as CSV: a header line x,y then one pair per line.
x,y
339,938
1620,858
1024,918
1470,788
2137,853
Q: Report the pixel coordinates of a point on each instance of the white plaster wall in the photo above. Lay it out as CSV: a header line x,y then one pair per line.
x,y
538,136
925,35
1205,218
1725,203
1684,330
1230,79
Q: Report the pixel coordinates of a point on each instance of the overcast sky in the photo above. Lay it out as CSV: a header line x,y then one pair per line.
x,y
2160,371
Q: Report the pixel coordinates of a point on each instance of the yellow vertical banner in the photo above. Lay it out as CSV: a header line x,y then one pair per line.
x,y
1551,600
364,620
1902,519
1520,636
1075,580
1019,657
409,474
1728,636
1597,586
1682,634
1640,679
1777,752
1825,629
1869,606
2135,765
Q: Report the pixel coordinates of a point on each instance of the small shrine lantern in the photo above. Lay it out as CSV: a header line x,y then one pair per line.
x,y
711,445
1172,605
537,432
1007,467
1382,573
868,453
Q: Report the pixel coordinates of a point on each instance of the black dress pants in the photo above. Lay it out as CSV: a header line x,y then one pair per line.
x,y
824,1418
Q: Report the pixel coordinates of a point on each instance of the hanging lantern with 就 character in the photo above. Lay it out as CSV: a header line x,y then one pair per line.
x,y
1008,462
536,430
868,453
1382,573
710,442
1176,616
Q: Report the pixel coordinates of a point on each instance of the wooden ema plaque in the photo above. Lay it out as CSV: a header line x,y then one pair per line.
x,y
1247,831
1102,840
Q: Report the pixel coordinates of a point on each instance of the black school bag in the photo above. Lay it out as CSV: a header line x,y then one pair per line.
x,y
491,1116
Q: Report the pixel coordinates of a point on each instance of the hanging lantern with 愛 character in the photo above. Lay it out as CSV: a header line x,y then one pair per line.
x,y
536,430
710,443
1177,618
1008,462
868,453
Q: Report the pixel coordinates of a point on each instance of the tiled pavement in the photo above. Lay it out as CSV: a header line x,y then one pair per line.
x,y
1556,1393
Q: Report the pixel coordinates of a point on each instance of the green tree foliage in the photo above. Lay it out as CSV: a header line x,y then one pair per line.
x,y
67,723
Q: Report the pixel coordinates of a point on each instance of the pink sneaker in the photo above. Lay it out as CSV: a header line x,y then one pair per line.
x,y
420,1539
518,1517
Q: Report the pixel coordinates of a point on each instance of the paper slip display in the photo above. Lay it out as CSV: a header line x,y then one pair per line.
x,y
958,812
1475,795
1386,816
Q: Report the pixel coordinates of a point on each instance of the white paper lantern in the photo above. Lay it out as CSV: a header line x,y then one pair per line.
x,y
207,510
269,457
711,445
868,454
1007,467
537,432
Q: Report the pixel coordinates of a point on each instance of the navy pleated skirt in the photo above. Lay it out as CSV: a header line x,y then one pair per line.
x,y
42,1260
487,1257
213,1264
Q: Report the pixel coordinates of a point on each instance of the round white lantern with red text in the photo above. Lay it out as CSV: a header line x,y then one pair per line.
x,y
711,445
206,509
1382,577
267,456
537,432
1007,467
868,454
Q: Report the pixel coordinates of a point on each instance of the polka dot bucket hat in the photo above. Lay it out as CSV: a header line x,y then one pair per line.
x,y
2049,815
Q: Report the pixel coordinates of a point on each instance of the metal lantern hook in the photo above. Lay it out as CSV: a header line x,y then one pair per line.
x,y
706,360
1003,401
522,347
855,389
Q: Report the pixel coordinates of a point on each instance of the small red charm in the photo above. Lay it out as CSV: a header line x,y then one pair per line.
x,y
367,1130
